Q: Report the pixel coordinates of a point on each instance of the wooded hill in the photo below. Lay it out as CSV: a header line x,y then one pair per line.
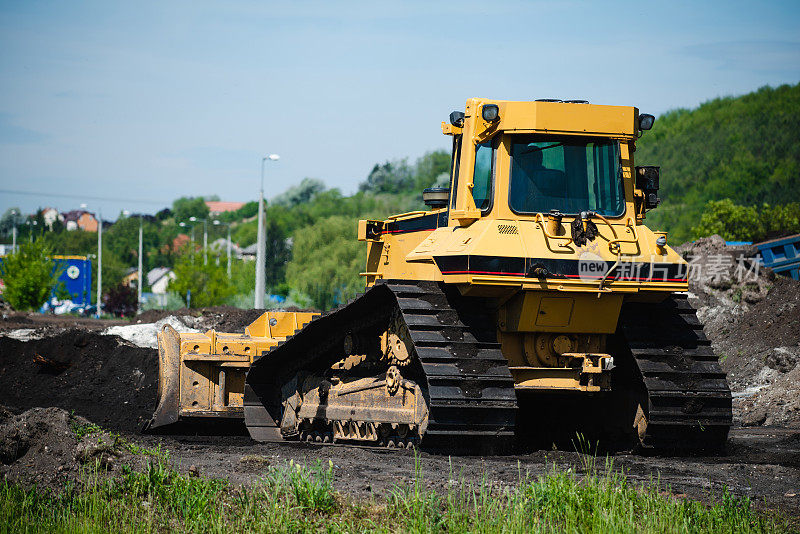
x,y
746,149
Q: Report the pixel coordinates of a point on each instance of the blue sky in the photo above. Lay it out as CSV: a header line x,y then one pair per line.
x,y
154,100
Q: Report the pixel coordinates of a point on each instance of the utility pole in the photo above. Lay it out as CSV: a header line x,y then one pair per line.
x,y
261,247
205,242
229,252
99,261
141,280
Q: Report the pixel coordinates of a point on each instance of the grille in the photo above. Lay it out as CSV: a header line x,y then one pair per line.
x,y
507,229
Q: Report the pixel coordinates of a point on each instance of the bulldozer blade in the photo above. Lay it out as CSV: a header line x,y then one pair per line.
x,y
201,375
168,396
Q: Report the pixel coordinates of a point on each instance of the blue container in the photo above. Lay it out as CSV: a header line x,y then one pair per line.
x,y
76,276
782,255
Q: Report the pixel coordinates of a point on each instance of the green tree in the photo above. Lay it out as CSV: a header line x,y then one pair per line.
x,y
209,284
11,217
123,240
747,223
29,276
430,168
390,177
301,193
186,207
326,260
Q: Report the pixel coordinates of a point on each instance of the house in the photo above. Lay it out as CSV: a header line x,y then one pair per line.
x,y
158,279
249,253
180,241
216,207
50,216
220,248
80,219
131,278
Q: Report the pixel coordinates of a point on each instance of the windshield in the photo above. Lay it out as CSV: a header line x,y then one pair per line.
x,y
569,174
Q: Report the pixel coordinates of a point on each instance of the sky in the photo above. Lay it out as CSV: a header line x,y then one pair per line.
x,y
129,105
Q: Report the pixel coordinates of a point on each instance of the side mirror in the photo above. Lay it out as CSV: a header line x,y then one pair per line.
x,y
436,197
647,178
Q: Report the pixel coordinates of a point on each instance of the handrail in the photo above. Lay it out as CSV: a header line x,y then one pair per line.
x,y
616,242
614,232
409,214
543,224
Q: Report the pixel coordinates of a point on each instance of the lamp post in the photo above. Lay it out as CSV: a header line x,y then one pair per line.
x,y
217,222
14,214
261,247
185,225
99,260
30,225
205,238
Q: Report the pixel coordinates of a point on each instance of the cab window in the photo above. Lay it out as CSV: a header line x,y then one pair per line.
x,y
482,177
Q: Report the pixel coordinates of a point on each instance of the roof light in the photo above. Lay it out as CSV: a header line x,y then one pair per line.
x,y
646,121
457,119
490,112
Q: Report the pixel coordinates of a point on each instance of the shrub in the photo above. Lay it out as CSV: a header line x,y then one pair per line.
x,y
120,301
29,276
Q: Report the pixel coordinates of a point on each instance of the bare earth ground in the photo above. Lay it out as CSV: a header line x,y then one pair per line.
x,y
67,364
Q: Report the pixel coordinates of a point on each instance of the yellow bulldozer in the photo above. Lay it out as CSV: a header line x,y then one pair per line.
x,y
529,297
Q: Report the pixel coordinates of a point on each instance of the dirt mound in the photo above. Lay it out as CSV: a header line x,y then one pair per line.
x,y
46,447
752,317
103,378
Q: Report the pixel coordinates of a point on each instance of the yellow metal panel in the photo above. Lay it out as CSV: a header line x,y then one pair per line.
x,y
572,312
555,311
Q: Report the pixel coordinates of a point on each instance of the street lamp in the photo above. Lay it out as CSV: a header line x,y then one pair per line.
x,y
217,222
261,247
30,225
205,238
14,214
184,225
99,257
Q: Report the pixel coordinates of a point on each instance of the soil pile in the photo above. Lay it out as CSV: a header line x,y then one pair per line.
x,y
47,447
103,378
752,317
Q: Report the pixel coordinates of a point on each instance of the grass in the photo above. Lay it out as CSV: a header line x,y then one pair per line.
x,y
296,498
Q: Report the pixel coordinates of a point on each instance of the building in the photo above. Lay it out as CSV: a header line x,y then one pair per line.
x,y
158,279
50,216
80,219
180,241
219,247
131,278
249,253
215,207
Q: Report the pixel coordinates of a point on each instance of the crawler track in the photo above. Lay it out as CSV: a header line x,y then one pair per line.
x,y
688,401
469,389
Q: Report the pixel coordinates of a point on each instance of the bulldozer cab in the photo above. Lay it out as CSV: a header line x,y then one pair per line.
x,y
518,159
539,191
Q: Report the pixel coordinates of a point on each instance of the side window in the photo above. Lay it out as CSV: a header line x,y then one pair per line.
x,y
482,176
454,164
